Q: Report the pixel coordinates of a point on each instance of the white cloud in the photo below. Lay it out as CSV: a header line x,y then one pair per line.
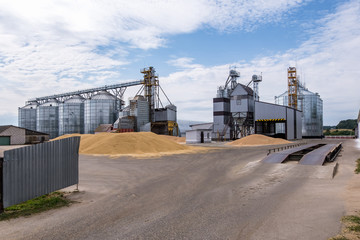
x,y
67,45
183,63
327,62
248,14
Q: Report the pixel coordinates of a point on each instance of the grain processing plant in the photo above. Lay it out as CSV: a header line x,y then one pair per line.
x,y
84,111
310,104
238,112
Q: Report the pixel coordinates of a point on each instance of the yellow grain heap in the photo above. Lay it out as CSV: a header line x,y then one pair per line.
x,y
175,139
126,143
257,140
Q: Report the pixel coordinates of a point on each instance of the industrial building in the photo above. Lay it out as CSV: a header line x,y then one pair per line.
x,y
237,112
199,133
85,110
12,135
310,104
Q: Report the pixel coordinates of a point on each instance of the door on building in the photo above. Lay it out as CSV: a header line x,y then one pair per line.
x,y
4,140
202,137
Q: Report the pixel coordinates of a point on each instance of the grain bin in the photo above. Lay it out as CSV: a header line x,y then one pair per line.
x,y
139,107
71,115
100,109
27,116
47,118
311,106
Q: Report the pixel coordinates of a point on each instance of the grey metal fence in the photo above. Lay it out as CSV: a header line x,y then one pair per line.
x,y
36,170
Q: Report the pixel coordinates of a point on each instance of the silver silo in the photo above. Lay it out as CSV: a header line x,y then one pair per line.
x,y
311,106
100,109
71,115
27,116
139,107
47,118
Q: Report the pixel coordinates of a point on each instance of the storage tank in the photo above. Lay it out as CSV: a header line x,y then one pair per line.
x,y
71,115
311,106
27,116
100,109
139,107
47,118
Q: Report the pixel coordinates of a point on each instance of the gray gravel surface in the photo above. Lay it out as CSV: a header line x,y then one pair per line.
x,y
222,194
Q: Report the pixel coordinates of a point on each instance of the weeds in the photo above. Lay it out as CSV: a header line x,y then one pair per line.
x,y
36,205
357,169
352,219
351,228
339,238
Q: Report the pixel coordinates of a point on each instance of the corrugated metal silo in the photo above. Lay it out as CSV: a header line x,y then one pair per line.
x,y
27,116
311,106
47,118
100,109
139,107
71,116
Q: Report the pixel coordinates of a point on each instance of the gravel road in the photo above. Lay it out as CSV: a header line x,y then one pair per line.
x,y
226,193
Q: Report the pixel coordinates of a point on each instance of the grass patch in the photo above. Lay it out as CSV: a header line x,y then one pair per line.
x,y
357,169
351,228
355,228
352,219
339,238
36,205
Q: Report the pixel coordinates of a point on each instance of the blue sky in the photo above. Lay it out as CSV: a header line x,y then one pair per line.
x,y
49,47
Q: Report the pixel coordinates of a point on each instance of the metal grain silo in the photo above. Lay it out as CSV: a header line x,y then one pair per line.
x,y
100,109
71,115
27,116
47,118
311,106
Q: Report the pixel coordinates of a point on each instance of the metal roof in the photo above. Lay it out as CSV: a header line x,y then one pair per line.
x,y
103,95
75,99
31,105
247,89
3,128
27,131
32,132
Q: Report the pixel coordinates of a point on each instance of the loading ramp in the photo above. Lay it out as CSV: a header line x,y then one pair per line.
x,y
309,154
280,157
326,153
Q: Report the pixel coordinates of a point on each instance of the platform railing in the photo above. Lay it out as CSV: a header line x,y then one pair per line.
x,y
285,147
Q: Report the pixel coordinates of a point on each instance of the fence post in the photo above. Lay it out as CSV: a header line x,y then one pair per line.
x,y
1,185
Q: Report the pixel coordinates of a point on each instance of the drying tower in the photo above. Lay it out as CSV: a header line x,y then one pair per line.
x,y
293,87
151,90
310,104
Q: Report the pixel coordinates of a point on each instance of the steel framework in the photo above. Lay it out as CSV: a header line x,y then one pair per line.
x,y
293,85
116,89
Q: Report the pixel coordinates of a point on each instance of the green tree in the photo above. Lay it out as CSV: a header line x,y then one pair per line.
x,y
347,124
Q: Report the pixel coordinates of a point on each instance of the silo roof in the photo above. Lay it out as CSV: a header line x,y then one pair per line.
x,y
51,102
75,99
103,95
30,105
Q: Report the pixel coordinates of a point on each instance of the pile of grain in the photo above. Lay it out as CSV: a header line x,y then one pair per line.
x,y
257,140
126,143
175,139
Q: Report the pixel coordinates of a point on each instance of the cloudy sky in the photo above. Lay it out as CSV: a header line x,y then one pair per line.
x,y
49,47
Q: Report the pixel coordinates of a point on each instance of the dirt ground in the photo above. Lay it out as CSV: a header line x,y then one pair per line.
x,y
225,193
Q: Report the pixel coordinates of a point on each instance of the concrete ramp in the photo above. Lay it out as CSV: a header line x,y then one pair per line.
x,y
280,157
320,155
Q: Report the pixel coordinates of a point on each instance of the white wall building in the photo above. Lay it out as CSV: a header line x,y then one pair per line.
x,y
198,136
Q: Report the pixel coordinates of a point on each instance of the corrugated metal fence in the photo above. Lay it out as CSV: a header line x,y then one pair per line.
x,y
36,170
